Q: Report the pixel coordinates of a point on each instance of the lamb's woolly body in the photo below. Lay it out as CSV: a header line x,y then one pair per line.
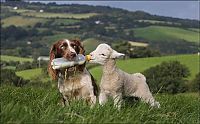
x,y
117,83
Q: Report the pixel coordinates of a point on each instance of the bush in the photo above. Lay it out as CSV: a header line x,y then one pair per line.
x,y
168,77
195,84
9,77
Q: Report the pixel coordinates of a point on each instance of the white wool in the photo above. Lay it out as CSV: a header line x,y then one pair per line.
x,y
117,83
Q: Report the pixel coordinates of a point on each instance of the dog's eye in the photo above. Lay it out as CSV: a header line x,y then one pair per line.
x,y
103,54
73,46
62,47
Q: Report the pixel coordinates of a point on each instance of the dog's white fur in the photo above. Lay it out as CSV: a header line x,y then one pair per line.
x,y
117,83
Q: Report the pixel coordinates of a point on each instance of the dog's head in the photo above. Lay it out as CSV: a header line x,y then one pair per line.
x,y
103,53
67,49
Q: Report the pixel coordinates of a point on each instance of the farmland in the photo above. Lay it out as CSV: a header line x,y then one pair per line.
x,y
58,15
162,33
14,58
21,21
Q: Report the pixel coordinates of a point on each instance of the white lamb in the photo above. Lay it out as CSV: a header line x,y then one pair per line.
x,y
117,83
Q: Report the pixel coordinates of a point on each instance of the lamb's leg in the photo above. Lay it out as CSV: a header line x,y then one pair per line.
x,y
92,100
147,98
102,98
144,93
117,100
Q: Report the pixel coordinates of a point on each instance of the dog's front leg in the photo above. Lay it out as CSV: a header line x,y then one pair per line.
x,y
102,98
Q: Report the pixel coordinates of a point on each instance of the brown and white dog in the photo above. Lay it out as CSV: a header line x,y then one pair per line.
x,y
73,82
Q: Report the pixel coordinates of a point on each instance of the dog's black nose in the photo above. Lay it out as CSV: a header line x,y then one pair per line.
x,y
73,54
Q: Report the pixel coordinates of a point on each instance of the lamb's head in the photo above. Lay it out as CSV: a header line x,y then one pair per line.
x,y
103,53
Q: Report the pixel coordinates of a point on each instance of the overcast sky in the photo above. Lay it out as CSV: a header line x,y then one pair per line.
x,y
179,9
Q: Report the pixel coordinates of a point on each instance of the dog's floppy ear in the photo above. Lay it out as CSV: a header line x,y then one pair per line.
x,y
52,55
116,54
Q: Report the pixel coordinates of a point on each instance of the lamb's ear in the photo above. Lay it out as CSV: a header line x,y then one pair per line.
x,y
116,54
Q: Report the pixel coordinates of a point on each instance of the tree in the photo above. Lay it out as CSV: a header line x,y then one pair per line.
x,y
168,77
9,77
195,84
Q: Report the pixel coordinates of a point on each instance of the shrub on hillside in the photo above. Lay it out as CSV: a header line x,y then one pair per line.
x,y
195,84
134,51
9,77
168,77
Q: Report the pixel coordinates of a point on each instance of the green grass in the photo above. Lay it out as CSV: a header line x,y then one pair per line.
x,y
163,33
30,73
90,44
14,58
21,21
58,15
37,105
141,64
65,21
157,22
56,37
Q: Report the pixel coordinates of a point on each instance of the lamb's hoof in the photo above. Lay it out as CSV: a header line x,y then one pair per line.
x,y
155,104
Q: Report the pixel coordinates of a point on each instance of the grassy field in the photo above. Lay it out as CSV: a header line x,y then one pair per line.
x,y
14,58
158,22
65,21
163,33
59,15
30,73
37,105
54,38
21,21
90,44
141,64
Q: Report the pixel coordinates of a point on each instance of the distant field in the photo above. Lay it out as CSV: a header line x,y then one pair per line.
x,y
59,15
141,64
14,58
65,21
54,38
29,74
139,44
21,10
156,22
90,44
163,33
21,21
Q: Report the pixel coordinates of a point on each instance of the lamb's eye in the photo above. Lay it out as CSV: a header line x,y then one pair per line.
x,y
103,54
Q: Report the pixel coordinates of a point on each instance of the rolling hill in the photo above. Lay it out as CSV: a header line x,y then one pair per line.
x,y
89,23
163,33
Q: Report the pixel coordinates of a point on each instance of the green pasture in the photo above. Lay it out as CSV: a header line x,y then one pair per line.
x,y
90,44
58,15
30,73
14,58
21,21
65,21
164,33
56,37
141,64
158,22
40,105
